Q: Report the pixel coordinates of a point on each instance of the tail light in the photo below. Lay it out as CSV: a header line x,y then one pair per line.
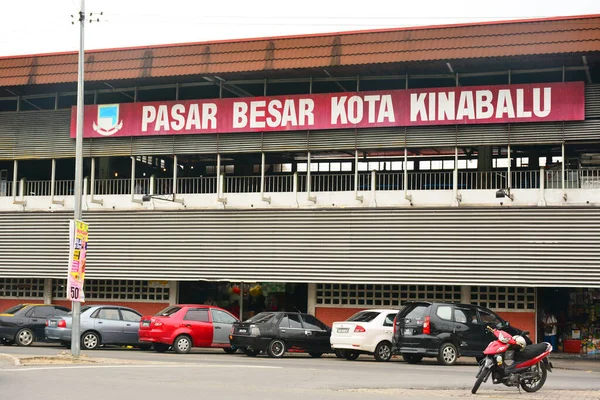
x,y
426,326
157,323
359,329
46,322
254,330
395,325
62,323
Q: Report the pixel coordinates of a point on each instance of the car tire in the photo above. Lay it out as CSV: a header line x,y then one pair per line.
x,y
276,348
315,354
161,347
383,351
90,341
145,347
352,355
24,337
412,358
182,344
229,350
448,354
250,352
340,353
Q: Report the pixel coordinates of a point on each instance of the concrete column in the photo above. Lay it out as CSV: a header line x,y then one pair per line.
x,y
465,294
173,292
47,291
311,305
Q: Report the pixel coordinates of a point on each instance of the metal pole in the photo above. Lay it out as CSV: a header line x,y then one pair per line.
x,y
75,305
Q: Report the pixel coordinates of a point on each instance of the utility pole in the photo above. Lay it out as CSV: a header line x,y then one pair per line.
x,y
76,305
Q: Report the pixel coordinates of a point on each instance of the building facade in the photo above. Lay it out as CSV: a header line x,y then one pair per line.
x,y
336,172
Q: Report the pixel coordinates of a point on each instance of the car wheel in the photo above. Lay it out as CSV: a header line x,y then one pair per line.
x,y
383,351
182,344
90,340
276,348
448,354
352,355
161,347
315,354
250,352
24,337
229,350
340,353
412,358
8,342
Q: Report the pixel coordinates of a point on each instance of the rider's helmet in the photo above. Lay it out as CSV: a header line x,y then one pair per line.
x,y
520,341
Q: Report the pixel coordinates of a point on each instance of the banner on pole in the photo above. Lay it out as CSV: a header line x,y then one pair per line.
x,y
78,240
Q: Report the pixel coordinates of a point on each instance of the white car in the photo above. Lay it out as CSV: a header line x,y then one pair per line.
x,y
366,332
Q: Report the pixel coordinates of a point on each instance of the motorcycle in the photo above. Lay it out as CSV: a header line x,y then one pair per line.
x,y
511,365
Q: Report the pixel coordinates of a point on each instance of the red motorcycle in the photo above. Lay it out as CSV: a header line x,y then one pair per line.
x,y
511,362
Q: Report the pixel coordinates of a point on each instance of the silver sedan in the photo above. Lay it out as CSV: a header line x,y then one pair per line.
x,y
100,325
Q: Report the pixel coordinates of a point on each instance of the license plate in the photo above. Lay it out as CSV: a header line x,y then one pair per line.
x,y
243,330
52,323
343,330
145,323
408,331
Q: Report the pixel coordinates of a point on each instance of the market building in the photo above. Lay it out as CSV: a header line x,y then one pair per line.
x,y
324,173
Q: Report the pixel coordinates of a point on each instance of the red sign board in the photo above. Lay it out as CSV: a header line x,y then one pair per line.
x,y
413,107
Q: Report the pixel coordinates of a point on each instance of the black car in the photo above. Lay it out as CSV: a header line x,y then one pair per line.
x,y
24,323
278,332
445,330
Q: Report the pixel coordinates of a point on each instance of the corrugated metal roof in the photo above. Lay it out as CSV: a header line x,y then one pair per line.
x,y
503,39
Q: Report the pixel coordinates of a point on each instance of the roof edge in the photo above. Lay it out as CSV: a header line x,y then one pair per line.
x,y
312,35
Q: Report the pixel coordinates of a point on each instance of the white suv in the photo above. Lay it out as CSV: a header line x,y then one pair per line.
x,y
366,332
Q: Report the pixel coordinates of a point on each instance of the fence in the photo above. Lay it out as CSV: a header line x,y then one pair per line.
x,y
418,180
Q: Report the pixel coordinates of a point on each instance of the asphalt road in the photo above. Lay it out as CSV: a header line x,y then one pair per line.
x,y
216,375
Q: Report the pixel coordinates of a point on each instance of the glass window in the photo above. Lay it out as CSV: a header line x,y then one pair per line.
x,y
323,167
465,316
285,322
261,318
130,316
311,322
108,313
346,166
418,312
42,312
222,317
389,320
425,165
294,321
436,164
363,316
14,309
448,164
444,312
200,315
302,167
167,312
487,318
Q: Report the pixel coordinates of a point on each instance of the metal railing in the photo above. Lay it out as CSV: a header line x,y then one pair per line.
x,y
417,180
200,185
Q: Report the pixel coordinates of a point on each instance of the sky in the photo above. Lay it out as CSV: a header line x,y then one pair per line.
x,y
44,26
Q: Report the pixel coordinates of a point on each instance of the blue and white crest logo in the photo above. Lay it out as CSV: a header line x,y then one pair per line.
x,y
108,120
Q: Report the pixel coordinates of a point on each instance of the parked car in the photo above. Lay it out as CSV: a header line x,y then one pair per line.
x,y
100,325
188,325
445,330
366,332
278,332
24,324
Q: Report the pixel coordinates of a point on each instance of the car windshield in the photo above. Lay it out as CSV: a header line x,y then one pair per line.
x,y
14,309
261,318
167,312
363,316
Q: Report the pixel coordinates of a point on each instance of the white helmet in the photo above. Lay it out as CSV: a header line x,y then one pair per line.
x,y
520,341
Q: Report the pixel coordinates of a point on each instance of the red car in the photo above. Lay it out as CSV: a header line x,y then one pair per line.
x,y
185,326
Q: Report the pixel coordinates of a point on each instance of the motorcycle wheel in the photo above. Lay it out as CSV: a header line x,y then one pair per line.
x,y
481,376
533,385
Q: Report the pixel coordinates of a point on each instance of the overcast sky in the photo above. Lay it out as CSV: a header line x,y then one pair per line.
x,y
43,26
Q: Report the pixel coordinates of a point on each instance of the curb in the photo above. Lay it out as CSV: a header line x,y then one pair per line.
x,y
15,360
